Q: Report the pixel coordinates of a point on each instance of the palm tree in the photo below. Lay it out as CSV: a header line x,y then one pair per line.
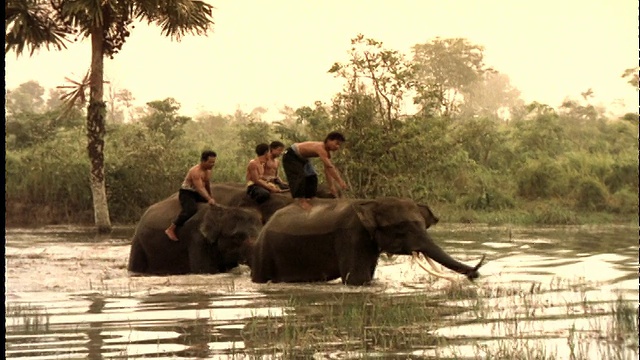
x,y
36,24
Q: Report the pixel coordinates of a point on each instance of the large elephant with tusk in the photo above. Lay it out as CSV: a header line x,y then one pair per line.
x,y
344,238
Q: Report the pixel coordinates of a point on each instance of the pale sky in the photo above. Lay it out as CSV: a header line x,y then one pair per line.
x,y
277,52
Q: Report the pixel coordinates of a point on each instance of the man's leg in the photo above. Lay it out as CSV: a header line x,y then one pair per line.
x,y
258,194
310,186
294,170
189,205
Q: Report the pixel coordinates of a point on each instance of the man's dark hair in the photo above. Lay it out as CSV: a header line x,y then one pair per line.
x,y
207,154
275,144
262,149
334,135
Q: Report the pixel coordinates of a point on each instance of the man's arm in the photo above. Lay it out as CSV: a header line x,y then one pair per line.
x,y
207,183
330,171
278,176
254,176
202,188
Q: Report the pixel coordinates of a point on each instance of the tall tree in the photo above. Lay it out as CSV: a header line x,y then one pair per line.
x,y
36,24
118,100
445,69
383,74
26,98
491,96
163,118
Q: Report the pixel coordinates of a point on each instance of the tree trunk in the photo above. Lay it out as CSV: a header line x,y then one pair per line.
x,y
96,131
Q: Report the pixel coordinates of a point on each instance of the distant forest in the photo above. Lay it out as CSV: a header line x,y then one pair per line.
x,y
473,150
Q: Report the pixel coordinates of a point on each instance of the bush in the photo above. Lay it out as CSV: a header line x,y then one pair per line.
x,y
554,214
591,195
542,179
489,200
48,183
624,173
624,201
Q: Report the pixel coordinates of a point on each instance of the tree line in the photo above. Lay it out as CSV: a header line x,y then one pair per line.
x,y
440,127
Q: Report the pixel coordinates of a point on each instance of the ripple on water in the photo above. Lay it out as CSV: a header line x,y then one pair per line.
x,y
69,296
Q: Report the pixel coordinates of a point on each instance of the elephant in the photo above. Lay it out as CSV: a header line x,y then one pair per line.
x,y
344,238
235,194
216,239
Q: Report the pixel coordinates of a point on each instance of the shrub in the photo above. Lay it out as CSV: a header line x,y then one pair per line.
x,y
554,214
488,200
591,195
624,173
542,179
624,201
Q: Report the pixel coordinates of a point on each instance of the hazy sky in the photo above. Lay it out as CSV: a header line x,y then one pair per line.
x,y
277,52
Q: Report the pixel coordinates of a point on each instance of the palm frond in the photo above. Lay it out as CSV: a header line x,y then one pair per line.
x,y
32,24
177,18
75,96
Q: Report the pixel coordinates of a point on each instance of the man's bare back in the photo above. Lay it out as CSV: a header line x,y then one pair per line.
x,y
310,149
322,150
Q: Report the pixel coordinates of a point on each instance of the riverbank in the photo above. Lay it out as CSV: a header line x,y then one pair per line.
x,y
529,214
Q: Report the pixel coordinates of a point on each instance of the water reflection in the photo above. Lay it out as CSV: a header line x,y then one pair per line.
x,y
551,292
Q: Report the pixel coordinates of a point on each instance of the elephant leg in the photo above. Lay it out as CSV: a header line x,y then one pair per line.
x,y
358,260
137,258
357,277
359,270
263,268
200,261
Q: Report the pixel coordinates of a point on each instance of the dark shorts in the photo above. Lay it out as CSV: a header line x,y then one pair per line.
x,y
189,202
301,183
258,193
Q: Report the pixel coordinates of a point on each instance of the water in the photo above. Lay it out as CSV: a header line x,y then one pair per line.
x,y
543,293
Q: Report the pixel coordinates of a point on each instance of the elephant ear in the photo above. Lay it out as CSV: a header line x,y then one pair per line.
x,y
367,215
427,215
211,225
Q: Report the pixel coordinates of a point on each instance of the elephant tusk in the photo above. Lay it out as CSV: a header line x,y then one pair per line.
x,y
434,268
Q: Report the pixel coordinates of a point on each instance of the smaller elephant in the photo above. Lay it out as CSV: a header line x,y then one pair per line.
x,y
343,239
216,239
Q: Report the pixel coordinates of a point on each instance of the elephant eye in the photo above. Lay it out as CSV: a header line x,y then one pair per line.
x,y
400,231
238,236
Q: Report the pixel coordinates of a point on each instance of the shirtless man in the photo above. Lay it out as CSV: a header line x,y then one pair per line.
x,y
258,188
194,189
301,174
271,166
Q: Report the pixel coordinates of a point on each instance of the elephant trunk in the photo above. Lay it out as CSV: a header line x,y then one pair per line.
x,y
247,250
436,253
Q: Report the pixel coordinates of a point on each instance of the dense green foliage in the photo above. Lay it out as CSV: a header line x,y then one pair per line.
x,y
538,165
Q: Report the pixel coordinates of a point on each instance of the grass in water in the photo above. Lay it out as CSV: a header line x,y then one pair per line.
x,y
502,323
31,318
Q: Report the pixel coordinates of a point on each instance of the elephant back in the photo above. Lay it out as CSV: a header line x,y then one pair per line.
x,y
229,194
160,214
322,218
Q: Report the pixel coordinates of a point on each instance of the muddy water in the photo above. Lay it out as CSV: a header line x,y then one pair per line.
x,y
548,292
